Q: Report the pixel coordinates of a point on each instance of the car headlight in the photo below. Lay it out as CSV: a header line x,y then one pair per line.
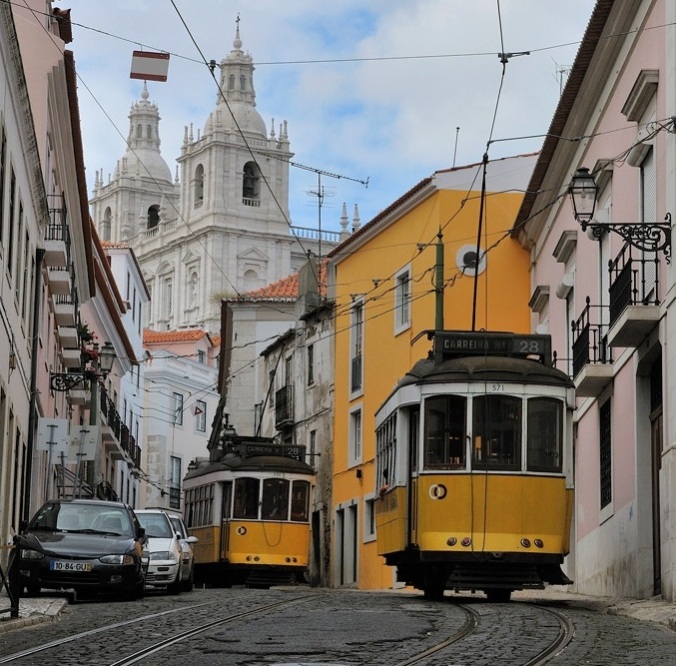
x,y
117,559
163,555
31,555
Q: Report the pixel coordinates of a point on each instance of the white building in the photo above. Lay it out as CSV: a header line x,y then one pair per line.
x,y
224,227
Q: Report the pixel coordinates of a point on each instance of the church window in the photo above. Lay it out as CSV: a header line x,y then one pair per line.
x,y
231,82
139,131
153,216
250,185
106,224
149,131
242,82
199,185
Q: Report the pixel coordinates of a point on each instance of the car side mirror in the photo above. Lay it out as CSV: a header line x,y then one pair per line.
x,y
192,539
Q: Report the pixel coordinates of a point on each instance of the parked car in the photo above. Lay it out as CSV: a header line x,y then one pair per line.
x,y
164,547
186,540
91,546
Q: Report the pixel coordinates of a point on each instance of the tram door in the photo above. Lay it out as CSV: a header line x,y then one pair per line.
x,y
226,513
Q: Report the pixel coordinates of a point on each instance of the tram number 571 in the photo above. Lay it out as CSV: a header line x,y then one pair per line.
x,y
497,388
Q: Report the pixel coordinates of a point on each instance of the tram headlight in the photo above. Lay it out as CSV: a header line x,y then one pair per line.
x,y
525,542
466,541
451,541
539,543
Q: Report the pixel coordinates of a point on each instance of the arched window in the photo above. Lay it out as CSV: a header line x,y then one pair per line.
x,y
139,131
153,216
106,224
242,82
250,185
199,185
231,82
149,131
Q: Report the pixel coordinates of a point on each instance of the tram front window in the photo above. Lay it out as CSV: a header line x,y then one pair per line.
x,y
545,434
445,432
275,499
246,498
300,500
497,432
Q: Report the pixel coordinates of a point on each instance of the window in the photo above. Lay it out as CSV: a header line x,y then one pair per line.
x,y
648,216
200,415
3,167
175,480
250,185
544,435
386,449
445,432
355,437
177,408
153,216
10,238
605,455
357,333
402,301
300,501
106,224
497,432
310,365
369,519
199,185
246,498
275,499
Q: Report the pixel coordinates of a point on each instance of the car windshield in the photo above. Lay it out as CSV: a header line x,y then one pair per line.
x,y
93,518
156,525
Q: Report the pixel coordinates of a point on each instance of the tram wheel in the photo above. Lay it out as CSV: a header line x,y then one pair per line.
x,y
498,595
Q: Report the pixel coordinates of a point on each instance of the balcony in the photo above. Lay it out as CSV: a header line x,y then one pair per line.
x,y
71,358
634,304
69,338
284,406
57,239
592,356
60,282
115,435
64,311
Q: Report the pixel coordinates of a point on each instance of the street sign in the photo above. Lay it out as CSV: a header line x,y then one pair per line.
x,y
149,66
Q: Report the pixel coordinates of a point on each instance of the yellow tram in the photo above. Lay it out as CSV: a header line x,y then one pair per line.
x,y
249,506
475,467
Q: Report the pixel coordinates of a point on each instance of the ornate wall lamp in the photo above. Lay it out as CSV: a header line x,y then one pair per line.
x,y
646,236
101,364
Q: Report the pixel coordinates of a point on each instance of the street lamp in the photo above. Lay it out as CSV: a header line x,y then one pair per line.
x,y
646,236
103,360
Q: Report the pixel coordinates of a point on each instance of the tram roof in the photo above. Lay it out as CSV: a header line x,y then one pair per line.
x,y
251,464
480,368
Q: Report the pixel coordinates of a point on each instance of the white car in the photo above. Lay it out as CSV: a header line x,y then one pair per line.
x,y
188,564
164,547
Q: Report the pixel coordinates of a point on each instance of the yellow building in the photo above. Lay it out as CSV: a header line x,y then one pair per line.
x,y
384,281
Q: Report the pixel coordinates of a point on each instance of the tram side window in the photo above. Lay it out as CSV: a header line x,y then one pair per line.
x,y
445,432
300,501
246,498
386,445
227,500
497,432
544,435
275,499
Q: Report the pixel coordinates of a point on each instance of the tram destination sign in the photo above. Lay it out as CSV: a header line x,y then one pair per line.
x,y
253,448
453,344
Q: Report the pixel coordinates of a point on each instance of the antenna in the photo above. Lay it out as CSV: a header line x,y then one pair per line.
x,y
455,149
319,193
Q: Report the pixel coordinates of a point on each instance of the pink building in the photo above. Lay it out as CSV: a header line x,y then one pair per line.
x,y
605,293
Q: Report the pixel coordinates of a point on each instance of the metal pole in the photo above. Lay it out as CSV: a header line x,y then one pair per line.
x,y
439,284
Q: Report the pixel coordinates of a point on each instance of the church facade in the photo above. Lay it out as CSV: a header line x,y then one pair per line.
x,y
220,226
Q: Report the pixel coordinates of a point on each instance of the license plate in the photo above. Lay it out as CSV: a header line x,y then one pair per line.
x,y
70,566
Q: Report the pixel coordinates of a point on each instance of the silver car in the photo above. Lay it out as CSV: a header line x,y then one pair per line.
x,y
188,564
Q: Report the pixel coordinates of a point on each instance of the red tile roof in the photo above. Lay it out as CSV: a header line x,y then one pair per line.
x,y
162,337
285,289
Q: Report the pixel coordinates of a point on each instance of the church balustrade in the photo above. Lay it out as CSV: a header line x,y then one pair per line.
x,y
255,203
306,232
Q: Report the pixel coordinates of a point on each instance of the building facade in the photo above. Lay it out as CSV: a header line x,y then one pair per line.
x,y
386,296
606,293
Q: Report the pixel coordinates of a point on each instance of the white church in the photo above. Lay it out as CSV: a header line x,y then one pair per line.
x,y
222,227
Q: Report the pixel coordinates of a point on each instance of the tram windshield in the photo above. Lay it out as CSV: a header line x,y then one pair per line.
x,y
497,432
246,498
445,432
275,499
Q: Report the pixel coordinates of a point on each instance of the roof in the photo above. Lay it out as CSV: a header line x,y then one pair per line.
x,y
151,337
285,289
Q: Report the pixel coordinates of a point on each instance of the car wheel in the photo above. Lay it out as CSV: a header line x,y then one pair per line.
x,y
139,591
189,583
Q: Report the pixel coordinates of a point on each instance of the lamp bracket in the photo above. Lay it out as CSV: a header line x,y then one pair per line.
x,y
66,381
648,237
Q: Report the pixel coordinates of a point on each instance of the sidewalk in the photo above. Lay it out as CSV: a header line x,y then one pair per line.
x,y
46,609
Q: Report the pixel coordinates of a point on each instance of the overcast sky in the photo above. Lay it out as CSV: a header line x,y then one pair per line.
x,y
384,90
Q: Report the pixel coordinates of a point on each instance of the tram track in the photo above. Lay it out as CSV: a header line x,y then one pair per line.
x,y
133,658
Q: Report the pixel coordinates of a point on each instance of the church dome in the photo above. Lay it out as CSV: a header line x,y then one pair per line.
x,y
236,114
